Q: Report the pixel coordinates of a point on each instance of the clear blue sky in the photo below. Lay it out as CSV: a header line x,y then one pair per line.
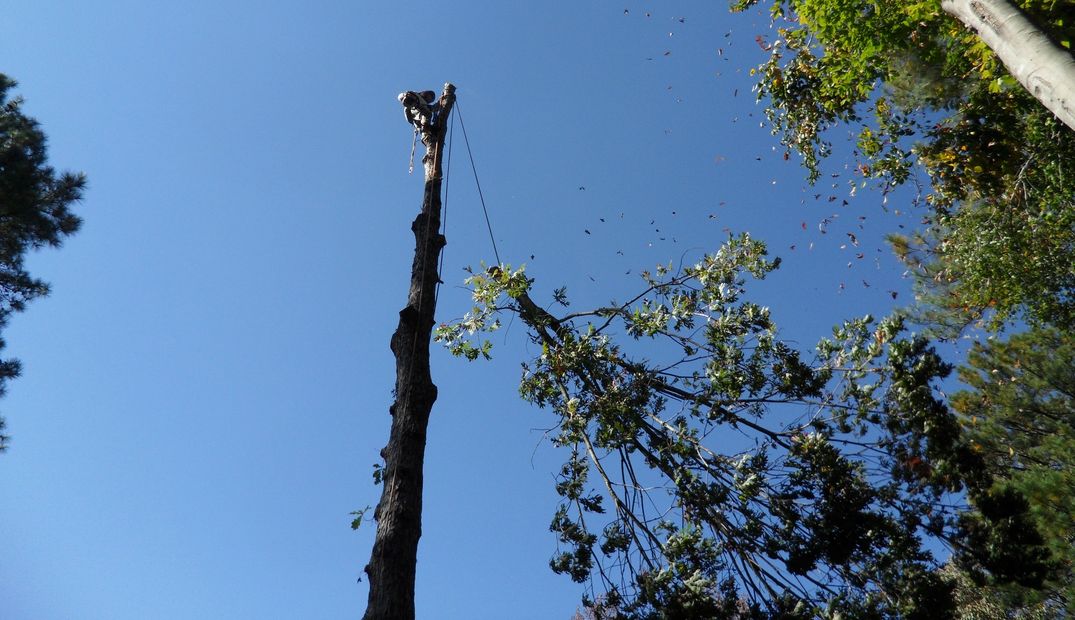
x,y
206,390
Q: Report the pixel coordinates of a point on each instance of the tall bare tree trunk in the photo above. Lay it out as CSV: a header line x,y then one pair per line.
x,y
391,569
1044,68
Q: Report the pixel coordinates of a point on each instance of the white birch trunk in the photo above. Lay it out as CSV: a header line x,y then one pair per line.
x,y
1045,69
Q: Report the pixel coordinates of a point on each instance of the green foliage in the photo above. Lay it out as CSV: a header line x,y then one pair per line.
x,y
928,98
487,284
1020,412
35,211
715,471
1002,516
359,517
925,94
1004,250
973,602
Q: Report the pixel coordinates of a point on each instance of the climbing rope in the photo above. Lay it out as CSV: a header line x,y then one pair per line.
x,y
489,226
414,143
444,203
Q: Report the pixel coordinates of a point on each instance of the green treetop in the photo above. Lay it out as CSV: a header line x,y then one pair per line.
x,y
35,211
1020,411
926,94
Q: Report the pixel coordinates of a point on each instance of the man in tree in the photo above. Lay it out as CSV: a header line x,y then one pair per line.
x,y
719,473
35,211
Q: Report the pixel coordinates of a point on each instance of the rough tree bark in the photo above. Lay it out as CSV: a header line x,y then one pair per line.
x,y
1044,68
391,569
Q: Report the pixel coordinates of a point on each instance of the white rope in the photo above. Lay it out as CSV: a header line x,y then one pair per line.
x,y
414,142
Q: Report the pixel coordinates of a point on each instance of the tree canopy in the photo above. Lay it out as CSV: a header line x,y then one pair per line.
x,y
713,470
932,105
1020,414
35,211
716,471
